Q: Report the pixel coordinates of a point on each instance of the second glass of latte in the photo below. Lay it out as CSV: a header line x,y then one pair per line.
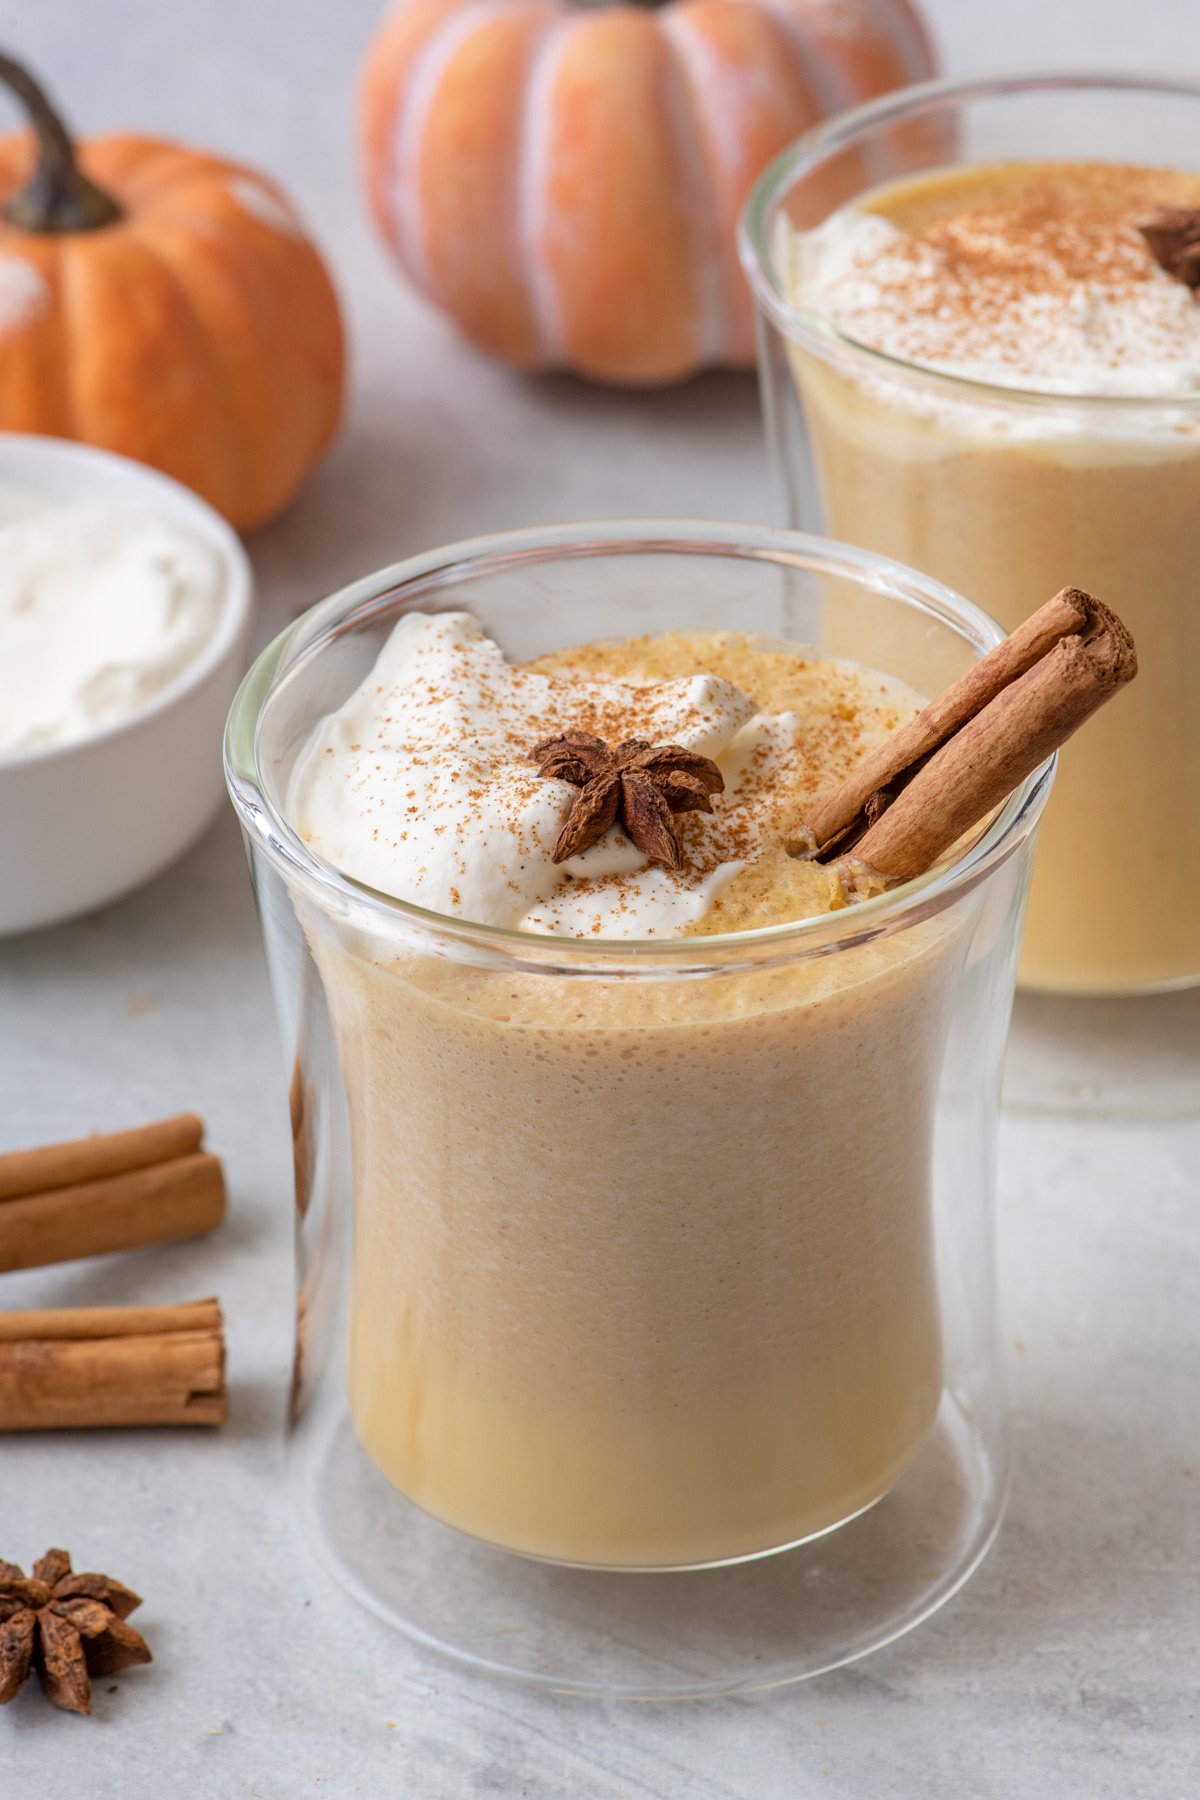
x,y
981,354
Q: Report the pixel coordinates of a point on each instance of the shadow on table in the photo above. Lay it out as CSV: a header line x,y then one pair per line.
x,y
1100,1546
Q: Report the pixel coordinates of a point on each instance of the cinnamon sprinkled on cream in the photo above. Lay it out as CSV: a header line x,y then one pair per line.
x,y
1032,276
422,784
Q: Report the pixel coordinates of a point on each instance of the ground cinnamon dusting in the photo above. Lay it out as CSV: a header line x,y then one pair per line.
x,y
436,794
837,714
995,268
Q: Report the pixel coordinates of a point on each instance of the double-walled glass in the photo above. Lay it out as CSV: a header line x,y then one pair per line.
x,y
1009,495
646,1326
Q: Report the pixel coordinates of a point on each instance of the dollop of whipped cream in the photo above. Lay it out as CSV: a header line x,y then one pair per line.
x,y
1056,298
101,608
422,785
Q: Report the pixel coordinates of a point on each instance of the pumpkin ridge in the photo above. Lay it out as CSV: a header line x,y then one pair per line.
x,y
618,240
533,157
384,85
832,92
712,275
36,398
233,451
282,350
160,366
194,213
66,362
468,183
756,93
69,308
428,70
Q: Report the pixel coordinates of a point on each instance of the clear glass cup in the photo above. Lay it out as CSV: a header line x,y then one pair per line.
x,y
646,1318
1007,496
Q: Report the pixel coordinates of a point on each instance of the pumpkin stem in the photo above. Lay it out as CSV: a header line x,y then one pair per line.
x,y
59,196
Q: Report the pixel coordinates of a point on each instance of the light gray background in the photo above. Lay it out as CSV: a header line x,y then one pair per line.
x,y
1069,1665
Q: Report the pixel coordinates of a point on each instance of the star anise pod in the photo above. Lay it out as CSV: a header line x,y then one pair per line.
x,y
638,783
1173,236
68,1627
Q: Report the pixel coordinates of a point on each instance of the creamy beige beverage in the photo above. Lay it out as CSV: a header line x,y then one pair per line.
x,y
642,1270
1034,276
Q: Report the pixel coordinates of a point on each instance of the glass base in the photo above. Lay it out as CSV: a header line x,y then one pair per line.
x,y
1135,1057
778,1618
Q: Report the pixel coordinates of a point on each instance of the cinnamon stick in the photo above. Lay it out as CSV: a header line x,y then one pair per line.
x,y
159,1204
104,1366
94,1158
961,756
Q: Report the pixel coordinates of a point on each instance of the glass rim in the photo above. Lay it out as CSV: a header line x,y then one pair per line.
x,y
360,601
836,134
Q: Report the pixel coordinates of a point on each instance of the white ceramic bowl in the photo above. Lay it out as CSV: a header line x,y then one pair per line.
x,y
84,822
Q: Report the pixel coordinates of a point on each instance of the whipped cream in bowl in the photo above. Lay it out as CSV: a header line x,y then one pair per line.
x,y
125,608
103,607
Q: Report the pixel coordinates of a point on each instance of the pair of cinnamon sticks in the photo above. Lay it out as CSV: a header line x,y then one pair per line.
x,y
946,770
92,1366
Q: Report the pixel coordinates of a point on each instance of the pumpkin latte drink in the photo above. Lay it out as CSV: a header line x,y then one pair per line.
x,y
643,1270
564,1336
940,296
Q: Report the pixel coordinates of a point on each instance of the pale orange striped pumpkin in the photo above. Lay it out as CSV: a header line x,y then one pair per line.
x,y
565,182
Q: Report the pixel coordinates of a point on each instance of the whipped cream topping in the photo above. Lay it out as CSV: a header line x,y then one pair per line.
x,y
1061,297
422,786
101,608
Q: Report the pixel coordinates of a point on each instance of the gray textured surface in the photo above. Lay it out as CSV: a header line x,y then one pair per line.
x,y
1068,1666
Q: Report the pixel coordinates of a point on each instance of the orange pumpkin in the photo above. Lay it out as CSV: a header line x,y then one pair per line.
x,y
167,305
566,183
